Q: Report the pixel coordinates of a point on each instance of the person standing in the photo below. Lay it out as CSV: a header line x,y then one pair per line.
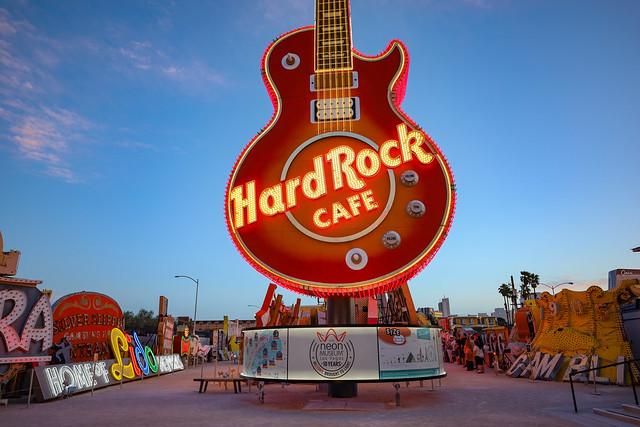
x,y
479,358
468,354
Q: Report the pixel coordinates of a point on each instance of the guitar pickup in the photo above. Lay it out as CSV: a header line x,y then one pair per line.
x,y
335,109
333,80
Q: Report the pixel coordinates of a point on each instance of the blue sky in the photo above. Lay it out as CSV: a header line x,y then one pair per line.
x,y
120,122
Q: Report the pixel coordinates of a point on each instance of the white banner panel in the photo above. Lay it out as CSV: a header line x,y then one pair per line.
x,y
321,354
265,354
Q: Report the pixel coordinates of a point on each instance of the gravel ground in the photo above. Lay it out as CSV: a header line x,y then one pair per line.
x,y
461,399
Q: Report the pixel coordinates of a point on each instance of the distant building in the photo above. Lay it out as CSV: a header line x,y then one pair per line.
x,y
470,322
443,306
483,314
424,310
616,276
499,312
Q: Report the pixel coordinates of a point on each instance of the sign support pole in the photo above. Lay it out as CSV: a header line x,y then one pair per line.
x,y
30,388
340,312
93,379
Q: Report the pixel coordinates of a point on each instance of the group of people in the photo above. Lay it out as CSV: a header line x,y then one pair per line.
x,y
465,349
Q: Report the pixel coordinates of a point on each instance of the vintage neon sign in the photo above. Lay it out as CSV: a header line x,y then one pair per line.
x,y
85,319
84,376
341,192
26,328
142,360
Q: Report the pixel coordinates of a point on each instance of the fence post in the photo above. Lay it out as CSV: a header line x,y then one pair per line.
x,y
633,383
573,393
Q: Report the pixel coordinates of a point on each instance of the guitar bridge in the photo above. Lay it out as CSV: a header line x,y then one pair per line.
x,y
330,109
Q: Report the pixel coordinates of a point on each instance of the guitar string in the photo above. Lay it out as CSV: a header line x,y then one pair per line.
x,y
319,59
336,99
333,113
346,74
316,62
319,64
325,58
347,27
340,76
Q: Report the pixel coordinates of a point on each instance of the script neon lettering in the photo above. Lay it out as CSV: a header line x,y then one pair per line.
x,y
315,176
385,154
341,158
346,168
120,345
142,360
240,202
291,185
412,143
271,201
361,162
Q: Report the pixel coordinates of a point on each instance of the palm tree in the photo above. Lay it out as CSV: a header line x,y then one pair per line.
x,y
534,282
505,291
525,281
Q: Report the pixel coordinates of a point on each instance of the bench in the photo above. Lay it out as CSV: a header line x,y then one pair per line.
x,y
237,387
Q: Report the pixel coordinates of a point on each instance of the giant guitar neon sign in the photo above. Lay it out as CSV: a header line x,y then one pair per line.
x,y
341,193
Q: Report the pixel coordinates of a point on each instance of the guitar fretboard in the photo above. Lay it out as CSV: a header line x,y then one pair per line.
x,y
333,36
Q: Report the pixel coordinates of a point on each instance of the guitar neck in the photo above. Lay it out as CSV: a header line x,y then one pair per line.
x,y
333,36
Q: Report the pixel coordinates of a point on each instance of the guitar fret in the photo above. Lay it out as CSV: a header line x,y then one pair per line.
x,y
332,35
333,42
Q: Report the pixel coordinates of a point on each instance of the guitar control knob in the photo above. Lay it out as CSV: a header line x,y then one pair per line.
x,y
409,178
391,239
290,61
416,209
356,259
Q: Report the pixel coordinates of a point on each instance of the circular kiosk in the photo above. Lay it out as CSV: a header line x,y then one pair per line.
x,y
342,354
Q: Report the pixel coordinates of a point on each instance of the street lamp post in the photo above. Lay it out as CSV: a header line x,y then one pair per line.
x,y
195,310
553,287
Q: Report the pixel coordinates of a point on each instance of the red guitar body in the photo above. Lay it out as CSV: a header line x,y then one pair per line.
x,y
358,236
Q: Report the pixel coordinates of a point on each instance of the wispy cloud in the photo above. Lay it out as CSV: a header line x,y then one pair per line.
x,y
277,10
48,138
144,57
36,122
36,130
137,145
484,4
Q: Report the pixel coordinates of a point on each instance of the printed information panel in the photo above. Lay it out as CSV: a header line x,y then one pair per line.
x,y
409,352
351,353
265,353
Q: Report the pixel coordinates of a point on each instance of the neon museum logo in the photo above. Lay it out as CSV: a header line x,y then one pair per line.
x,y
331,355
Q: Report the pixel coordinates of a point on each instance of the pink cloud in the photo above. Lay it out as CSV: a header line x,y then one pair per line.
x,y
49,138
6,26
